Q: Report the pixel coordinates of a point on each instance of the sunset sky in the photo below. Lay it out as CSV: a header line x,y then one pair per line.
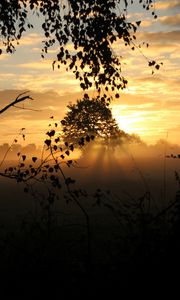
x,y
150,105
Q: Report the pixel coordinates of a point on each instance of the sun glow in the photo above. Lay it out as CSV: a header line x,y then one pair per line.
x,y
127,121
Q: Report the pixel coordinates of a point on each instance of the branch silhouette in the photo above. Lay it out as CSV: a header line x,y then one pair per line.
x,y
19,98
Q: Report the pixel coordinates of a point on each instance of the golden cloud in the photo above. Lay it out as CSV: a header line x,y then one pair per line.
x,y
170,20
31,39
160,37
171,4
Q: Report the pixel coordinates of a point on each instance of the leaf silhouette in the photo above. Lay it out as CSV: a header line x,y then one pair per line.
x,y
23,157
47,142
34,159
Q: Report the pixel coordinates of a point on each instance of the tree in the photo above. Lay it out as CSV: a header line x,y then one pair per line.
x,y
91,26
93,118
89,117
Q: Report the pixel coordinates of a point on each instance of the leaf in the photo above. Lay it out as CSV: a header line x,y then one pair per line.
x,y
152,63
47,142
157,67
71,147
63,122
138,23
57,140
23,157
87,138
51,133
34,159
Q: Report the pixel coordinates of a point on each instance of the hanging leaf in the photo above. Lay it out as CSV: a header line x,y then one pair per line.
x,y
57,140
34,159
23,157
51,133
47,142
138,23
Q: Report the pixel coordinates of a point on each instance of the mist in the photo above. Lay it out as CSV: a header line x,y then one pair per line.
x,y
125,171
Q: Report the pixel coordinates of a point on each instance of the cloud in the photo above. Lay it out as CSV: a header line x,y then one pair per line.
x,y
46,104
38,65
36,122
170,20
175,54
44,82
171,4
31,39
146,23
4,57
159,37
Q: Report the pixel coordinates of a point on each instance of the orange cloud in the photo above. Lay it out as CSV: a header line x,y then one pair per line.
x,y
162,5
170,20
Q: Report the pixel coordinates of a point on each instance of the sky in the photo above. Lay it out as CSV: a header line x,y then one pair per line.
x,y
149,107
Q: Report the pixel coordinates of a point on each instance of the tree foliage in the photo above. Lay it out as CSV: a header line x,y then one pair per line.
x,y
89,118
91,27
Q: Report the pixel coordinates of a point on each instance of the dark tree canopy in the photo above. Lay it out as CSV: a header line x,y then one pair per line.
x,y
91,26
92,117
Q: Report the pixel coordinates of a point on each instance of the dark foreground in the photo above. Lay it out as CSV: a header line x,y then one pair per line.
x,y
41,259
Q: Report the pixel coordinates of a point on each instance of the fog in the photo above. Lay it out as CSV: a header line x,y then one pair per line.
x,y
126,171
142,164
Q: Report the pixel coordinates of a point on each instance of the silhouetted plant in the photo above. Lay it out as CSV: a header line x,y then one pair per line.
x,y
93,117
45,178
92,27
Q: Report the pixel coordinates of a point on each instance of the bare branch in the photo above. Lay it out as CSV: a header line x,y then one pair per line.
x,y
18,99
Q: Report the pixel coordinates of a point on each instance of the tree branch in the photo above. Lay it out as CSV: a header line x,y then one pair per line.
x,y
19,98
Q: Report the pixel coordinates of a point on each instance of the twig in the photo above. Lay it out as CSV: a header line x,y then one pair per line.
x,y
19,98
32,109
10,147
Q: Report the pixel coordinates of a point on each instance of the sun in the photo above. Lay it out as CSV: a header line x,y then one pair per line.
x,y
128,121
125,123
